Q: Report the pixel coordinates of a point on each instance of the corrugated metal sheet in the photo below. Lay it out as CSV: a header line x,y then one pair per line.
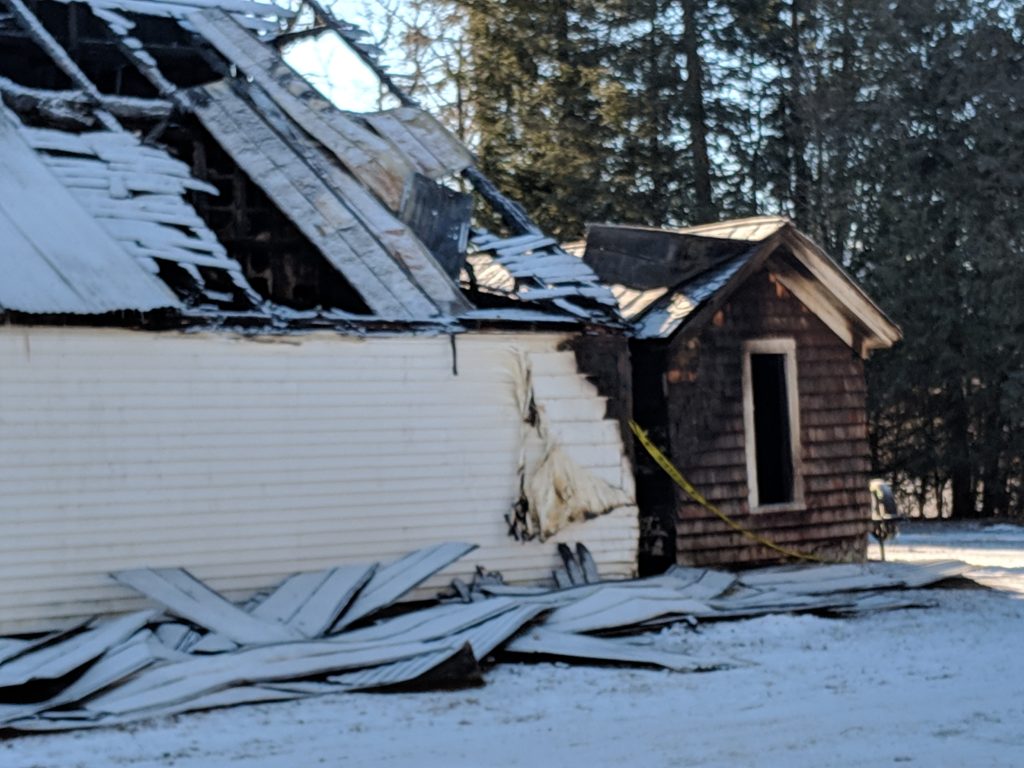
x,y
247,460
55,258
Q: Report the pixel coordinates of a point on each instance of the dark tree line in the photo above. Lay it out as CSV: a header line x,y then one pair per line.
x,y
892,132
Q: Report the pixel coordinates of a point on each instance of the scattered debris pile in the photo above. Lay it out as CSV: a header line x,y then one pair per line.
x,y
315,633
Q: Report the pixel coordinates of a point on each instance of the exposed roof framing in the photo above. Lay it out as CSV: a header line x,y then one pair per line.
x,y
670,281
378,196
536,268
136,194
393,271
75,108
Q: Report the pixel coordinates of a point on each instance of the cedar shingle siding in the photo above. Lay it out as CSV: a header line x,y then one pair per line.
x,y
706,437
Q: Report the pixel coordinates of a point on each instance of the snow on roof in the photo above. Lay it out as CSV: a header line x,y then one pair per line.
x,y
678,304
661,277
56,258
256,14
372,193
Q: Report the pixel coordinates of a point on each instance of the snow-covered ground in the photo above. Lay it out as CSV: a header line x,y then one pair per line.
x,y
941,687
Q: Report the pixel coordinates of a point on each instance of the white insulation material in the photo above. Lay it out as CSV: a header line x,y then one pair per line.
x,y
246,460
557,489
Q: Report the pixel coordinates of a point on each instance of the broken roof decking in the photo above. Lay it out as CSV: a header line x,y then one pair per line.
x,y
346,181
671,280
55,257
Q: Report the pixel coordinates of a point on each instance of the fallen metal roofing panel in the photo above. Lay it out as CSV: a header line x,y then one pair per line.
x,y
612,608
430,623
115,665
189,598
58,659
486,637
395,673
255,14
548,642
311,602
392,581
182,681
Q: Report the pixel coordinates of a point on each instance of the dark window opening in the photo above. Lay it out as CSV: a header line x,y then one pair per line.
x,y
772,440
277,260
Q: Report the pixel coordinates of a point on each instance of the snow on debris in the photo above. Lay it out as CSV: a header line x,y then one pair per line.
x,y
940,687
305,638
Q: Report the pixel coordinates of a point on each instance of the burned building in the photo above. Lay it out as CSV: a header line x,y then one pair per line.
x,y
249,333
748,370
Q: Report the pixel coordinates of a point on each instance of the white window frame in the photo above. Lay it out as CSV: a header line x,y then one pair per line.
x,y
787,348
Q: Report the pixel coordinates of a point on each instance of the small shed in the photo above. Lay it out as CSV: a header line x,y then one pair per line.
x,y
748,371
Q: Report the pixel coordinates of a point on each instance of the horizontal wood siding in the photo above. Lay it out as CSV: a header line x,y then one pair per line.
x,y
705,416
246,460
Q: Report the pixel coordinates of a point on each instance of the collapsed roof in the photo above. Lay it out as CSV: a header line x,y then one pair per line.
x,y
672,281
163,157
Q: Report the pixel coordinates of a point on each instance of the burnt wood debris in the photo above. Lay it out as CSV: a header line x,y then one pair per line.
x,y
339,630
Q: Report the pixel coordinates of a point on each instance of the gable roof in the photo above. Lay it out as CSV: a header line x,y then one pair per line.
x,y
372,194
670,281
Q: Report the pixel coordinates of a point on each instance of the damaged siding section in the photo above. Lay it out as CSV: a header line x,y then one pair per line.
x,y
246,460
558,432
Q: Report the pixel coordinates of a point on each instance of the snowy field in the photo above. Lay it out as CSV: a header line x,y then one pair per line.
x,y
933,687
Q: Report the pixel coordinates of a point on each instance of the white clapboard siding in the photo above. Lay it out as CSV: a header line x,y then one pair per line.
x,y
247,459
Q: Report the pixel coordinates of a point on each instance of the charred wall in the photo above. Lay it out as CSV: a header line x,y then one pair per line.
x,y
705,433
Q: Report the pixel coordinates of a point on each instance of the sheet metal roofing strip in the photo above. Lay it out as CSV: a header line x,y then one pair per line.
x,y
392,581
397,672
114,666
550,643
432,623
488,636
311,602
58,659
189,598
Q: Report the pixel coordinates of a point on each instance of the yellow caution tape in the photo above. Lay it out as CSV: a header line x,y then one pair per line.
x,y
677,477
